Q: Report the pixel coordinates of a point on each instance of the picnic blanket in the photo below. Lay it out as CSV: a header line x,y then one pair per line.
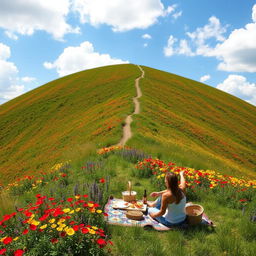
x,y
118,217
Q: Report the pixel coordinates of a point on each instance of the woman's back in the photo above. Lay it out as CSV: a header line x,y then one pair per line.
x,y
175,213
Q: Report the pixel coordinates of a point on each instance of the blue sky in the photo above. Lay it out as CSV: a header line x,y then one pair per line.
x,y
209,41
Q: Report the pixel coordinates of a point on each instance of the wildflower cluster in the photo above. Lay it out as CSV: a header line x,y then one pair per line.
x,y
54,226
238,190
58,172
106,150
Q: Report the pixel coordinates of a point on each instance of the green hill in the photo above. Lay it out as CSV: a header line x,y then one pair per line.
x,y
189,122
63,118
195,124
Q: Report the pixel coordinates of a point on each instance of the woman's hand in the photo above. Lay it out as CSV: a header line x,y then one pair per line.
x,y
181,173
155,194
152,215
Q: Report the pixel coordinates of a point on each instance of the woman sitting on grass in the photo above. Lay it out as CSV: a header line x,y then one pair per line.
x,y
169,208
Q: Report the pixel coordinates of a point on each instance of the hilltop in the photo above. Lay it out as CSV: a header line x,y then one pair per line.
x,y
186,121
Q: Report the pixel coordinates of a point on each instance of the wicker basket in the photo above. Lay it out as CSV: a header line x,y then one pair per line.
x,y
134,215
194,213
129,195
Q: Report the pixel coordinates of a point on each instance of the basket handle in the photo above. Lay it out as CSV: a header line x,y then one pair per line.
x,y
129,187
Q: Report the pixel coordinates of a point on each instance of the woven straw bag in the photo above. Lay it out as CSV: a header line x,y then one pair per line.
x,y
129,195
194,213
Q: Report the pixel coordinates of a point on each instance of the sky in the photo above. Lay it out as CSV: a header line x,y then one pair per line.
x,y
213,42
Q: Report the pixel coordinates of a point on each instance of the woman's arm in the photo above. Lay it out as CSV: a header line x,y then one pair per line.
x,y
162,209
157,194
182,181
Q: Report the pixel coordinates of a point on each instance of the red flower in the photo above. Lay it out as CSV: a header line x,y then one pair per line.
x,y
84,230
70,199
63,234
101,242
19,252
2,251
32,227
76,227
25,232
54,240
7,240
102,180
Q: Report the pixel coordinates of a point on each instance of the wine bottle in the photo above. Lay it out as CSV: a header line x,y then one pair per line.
x,y
145,197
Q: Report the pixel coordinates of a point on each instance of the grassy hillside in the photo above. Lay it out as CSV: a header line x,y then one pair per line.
x,y
195,125
60,211
61,119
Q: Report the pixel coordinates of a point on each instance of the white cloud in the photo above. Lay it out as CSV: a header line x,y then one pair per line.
x,y
205,78
170,9
26,16
212,30
11,35
184,48
236,53
254,13
146,36
196,44
74,59
28,79
169,49
176,15
9,80
120,15
145,45
239,86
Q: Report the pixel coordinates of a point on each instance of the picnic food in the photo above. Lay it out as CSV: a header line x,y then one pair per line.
x,y
134,204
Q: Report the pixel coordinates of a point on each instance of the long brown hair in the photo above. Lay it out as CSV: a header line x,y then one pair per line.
x,y
173,185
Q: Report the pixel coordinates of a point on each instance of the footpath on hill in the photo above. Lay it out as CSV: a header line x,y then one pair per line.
x,y
127,133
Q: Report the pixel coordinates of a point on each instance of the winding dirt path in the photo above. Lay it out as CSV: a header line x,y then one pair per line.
x,y
127,133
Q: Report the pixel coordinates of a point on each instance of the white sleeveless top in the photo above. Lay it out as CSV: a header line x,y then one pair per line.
x,y
175,213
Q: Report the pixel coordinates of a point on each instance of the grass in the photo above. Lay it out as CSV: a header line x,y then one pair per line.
x,y
181,121
195,125
137,241
48,124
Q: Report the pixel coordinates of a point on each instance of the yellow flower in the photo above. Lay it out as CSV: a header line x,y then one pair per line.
x,y
51,220
53,225
78,209
34,222
99,211
77,197
90,205
59,228
66,210
44,226
162,175
61,220
91,231
95,228
16,238
71,212
70,231
2,239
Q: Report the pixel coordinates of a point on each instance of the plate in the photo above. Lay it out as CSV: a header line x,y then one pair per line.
x,y
121,205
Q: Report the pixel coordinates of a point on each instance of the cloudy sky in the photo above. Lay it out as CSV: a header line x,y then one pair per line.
x,y
209,41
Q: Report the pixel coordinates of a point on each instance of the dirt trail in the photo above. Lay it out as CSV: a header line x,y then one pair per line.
x,y
127,133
